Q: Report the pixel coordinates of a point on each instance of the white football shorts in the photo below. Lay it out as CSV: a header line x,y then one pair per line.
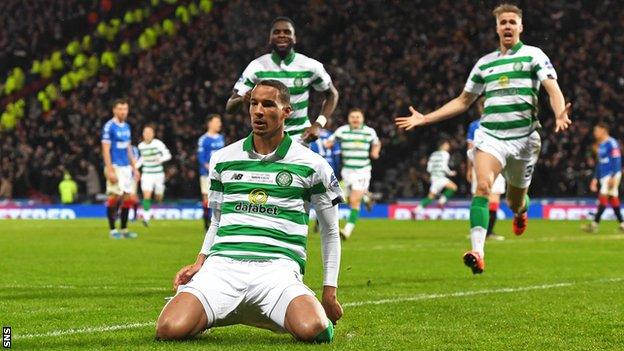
x,y
254,293
517,156
604,187
356,179
125,181
154,182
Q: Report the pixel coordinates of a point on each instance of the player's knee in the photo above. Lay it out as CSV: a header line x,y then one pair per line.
x,y
309,329
170,328
483,188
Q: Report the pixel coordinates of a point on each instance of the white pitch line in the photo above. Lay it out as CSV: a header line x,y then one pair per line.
x,y
107,328
475,292
104,328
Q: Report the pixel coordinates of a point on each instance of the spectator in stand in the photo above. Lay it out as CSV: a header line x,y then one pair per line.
x,y
68,189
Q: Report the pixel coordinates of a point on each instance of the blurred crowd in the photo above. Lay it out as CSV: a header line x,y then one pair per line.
x,y
383,56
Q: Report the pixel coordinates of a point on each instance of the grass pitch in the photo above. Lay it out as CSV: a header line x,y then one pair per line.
x,y
66,285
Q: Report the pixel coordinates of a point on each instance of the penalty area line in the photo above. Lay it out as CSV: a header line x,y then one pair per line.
x,y
107,328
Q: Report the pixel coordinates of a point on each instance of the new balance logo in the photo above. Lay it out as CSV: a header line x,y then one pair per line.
x,y
237,176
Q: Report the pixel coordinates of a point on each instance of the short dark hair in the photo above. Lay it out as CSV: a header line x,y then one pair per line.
x,y
282,19
283,93
356,109
120,101
603,125
150,125
212,116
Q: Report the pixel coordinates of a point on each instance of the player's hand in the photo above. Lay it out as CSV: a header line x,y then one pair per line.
x,y
111,176
469,177
562,121
330,304
185,274
417,119
311,133
611,183
452,173
593,185
247,96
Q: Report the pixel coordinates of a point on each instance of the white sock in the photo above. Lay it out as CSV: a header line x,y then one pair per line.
x,y
147,215
442,200
477,239
348,229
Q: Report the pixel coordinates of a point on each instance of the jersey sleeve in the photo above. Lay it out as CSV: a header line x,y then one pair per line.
x,y
375,140
321,80
615,158
445,162
325,191
475,83
164,151
543,67
201,151
107,133
215,196
247,80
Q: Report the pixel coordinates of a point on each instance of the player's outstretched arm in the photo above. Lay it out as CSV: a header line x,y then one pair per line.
x,y
330,240
558,105
452,108
235,101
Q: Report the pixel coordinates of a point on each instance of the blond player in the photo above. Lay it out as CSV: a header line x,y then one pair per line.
x,y
507,141
359,144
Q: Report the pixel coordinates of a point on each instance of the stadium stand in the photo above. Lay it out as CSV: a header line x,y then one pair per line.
x,y
380,61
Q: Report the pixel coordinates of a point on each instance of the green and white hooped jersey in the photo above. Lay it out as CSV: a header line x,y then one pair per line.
x,y
437,165
510,84
265,199
355,146
152,156
298,72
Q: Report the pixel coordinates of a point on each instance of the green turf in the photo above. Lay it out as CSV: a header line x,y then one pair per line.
x,y
69,277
